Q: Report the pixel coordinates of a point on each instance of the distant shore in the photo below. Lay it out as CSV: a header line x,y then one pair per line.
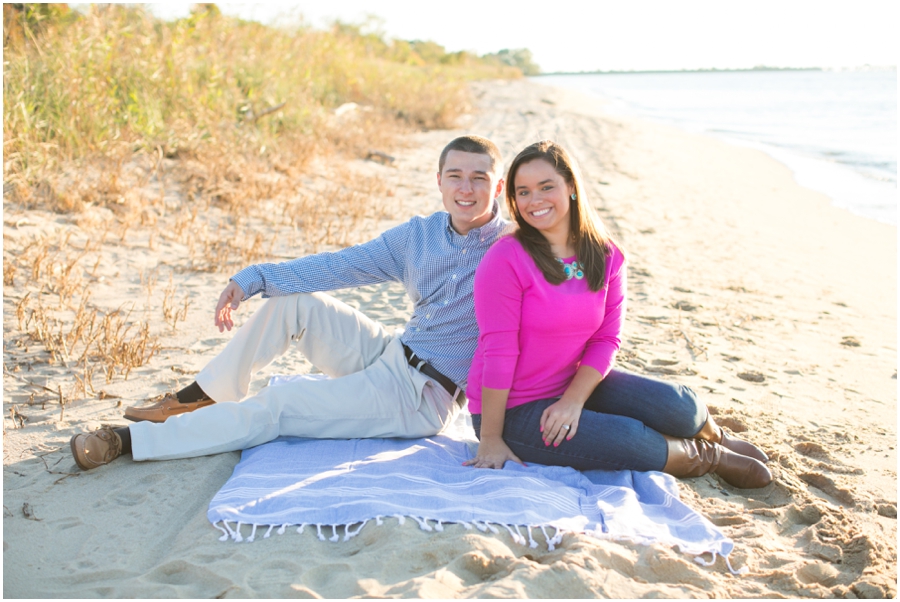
x,y
718,70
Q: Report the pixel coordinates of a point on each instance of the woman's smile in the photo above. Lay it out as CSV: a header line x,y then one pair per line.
x,y
543,200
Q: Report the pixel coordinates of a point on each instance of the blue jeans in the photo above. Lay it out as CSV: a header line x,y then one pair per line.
x,y
621,426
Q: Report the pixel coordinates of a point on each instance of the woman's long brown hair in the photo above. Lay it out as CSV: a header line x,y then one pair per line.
x,y
591,241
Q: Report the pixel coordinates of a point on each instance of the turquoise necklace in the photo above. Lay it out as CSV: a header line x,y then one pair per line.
x,y
573,270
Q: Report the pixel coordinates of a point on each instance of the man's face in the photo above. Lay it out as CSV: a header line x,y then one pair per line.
x,y
468,186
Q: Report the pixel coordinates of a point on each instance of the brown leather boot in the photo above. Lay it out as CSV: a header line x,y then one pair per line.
x,y
696,457
714,433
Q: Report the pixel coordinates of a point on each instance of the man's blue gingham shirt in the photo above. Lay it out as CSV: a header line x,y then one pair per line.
x,y
434,263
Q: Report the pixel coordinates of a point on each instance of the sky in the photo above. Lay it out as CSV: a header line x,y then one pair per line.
x,y
588,35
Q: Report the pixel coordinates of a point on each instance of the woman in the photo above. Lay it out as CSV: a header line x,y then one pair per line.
x,y
550,304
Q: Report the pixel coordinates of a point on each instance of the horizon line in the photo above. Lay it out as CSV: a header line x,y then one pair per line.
x,y
865,67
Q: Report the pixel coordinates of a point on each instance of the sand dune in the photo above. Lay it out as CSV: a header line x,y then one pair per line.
x,y
778,308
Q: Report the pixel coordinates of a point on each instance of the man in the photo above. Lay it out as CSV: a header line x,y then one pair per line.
x,y
381,385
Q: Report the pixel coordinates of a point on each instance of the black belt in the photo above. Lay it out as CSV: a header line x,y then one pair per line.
x,y
429,371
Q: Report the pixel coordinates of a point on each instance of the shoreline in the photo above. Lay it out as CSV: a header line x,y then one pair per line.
x,y
745,286
869,194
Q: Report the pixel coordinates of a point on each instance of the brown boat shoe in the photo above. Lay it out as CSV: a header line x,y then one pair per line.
x,y
96,448
167,405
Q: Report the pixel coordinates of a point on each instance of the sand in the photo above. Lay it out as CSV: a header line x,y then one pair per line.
x,y
777,307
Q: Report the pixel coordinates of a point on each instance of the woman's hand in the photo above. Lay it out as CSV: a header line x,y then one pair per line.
x,y
492,453
560,421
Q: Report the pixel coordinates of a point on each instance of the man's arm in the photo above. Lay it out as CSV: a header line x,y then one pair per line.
x,y
380,260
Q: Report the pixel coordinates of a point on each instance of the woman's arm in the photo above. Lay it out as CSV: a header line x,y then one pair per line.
x,y
598,359
602,346
567,411
492,450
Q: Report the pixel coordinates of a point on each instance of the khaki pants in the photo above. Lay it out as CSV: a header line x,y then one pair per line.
x,y
372,392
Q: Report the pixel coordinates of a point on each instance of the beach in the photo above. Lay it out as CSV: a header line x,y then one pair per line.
x,y
778,308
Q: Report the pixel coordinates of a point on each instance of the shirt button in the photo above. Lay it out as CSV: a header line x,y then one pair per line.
x,y
428,316
464,251
454,276
418,329
446,302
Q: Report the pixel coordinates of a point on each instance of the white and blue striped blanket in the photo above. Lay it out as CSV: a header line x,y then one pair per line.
x,y
337,486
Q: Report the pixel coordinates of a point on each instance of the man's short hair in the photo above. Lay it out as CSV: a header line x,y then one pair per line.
x,y
473,144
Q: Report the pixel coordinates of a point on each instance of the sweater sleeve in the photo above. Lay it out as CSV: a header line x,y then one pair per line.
x,y
380,260
498,309
600,351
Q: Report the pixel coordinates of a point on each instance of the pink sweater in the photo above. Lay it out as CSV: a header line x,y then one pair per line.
x,y
534,335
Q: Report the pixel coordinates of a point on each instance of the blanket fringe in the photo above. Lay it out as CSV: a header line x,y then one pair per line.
x,y
531,542
516,536
225,536
741,571
514,531
235,533
349,534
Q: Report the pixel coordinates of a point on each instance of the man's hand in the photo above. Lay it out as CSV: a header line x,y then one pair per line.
x,y
492,453
229,301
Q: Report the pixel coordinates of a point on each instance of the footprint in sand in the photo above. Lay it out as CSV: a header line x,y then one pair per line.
x,y
805,514
887,509
752,376
152,479
64,524
481,566
684,306
736,425
284,574
812,450
130,499
663,362
818,572
829,487
189,580
333,581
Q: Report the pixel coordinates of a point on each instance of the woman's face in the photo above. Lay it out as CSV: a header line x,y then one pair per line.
x,y
542,198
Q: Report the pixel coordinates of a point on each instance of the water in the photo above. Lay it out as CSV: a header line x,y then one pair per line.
x,y
836,130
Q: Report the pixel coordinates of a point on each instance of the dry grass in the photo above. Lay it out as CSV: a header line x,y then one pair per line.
x,y
227,93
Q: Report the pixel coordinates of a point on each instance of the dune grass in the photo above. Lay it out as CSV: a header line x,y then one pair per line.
x,y
117,81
